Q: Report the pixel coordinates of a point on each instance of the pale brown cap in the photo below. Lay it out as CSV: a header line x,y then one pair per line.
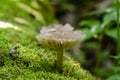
x,y
61,36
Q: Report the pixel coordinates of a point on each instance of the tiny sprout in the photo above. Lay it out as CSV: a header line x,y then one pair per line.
x,y
59,38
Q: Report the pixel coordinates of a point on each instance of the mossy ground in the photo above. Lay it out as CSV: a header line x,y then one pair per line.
x,y
33,62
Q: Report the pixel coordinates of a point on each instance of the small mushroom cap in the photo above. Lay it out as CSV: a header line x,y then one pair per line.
x,y
59,28
57,37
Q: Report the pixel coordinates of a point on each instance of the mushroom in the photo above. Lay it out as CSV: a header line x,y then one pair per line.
x,y
59,38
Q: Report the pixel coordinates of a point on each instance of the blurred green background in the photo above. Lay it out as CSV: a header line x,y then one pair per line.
x,y
96,18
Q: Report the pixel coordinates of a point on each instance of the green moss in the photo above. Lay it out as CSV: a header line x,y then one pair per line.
x,y
33,62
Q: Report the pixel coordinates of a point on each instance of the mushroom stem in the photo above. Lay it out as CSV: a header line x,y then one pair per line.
x,y
59,61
